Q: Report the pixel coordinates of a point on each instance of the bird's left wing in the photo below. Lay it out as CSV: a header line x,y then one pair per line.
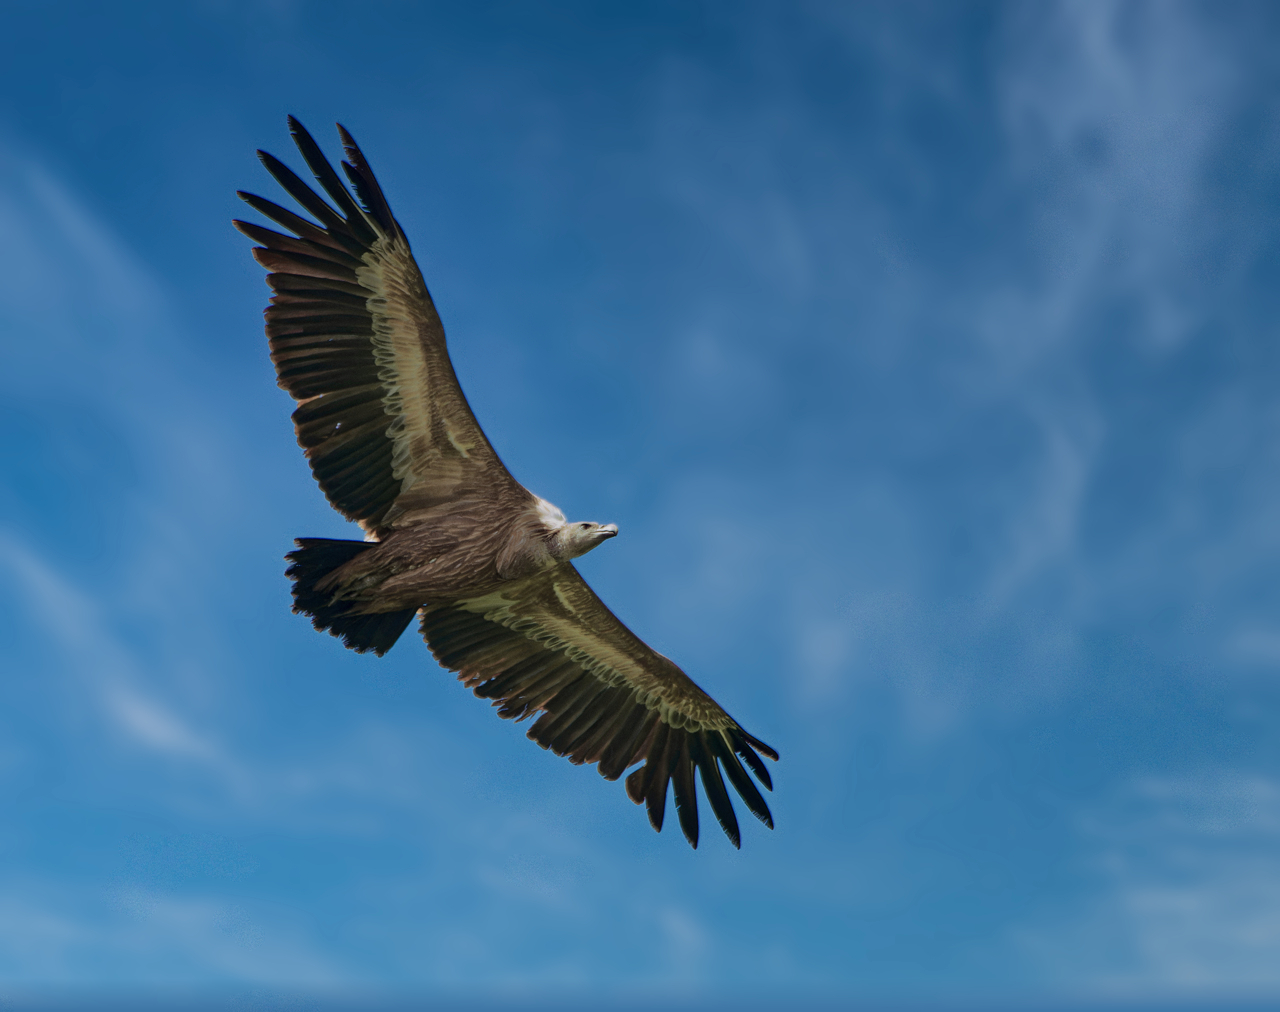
x,y
356,340
549,645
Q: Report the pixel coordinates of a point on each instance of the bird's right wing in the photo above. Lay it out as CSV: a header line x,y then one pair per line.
x,y
549,644
356,340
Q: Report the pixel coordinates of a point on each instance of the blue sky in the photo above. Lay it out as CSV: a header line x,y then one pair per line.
x,y
926,356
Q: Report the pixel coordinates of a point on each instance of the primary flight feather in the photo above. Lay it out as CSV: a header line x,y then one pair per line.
x,y
452,537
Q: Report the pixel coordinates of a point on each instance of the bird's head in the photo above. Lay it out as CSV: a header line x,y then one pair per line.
x,y
572,540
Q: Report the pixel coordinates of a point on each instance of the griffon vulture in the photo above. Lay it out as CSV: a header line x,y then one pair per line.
x,y
452,537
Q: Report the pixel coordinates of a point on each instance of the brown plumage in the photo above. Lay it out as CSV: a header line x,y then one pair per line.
x,y
451,536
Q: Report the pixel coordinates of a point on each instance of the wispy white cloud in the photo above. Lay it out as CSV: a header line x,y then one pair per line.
x,y
1253,645
137,702
1188,876
686,942
1110,116
1119,105
54,937
1128,101
88,312
97,659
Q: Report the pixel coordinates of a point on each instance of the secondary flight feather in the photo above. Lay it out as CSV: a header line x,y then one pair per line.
x,y
451,536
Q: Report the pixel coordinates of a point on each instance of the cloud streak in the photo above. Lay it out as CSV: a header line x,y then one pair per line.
x,y
1189,895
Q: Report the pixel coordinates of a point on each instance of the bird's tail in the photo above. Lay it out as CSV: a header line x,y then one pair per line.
x,y
310,563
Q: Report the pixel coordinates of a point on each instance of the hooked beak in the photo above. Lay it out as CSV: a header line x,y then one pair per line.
x,y
608,531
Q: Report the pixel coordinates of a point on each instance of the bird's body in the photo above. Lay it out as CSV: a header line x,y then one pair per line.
x,y
457,551
451,536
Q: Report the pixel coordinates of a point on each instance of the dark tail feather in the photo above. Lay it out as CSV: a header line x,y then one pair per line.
x,y
316,558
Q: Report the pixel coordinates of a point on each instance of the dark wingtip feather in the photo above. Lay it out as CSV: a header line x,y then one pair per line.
x,y
303,194
656,802
742,783
364,181
761,746
713,787
328,179
349,144
749,756
304,228
685,792
662,757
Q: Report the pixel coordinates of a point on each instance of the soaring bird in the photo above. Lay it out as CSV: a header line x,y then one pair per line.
x,y
450,535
